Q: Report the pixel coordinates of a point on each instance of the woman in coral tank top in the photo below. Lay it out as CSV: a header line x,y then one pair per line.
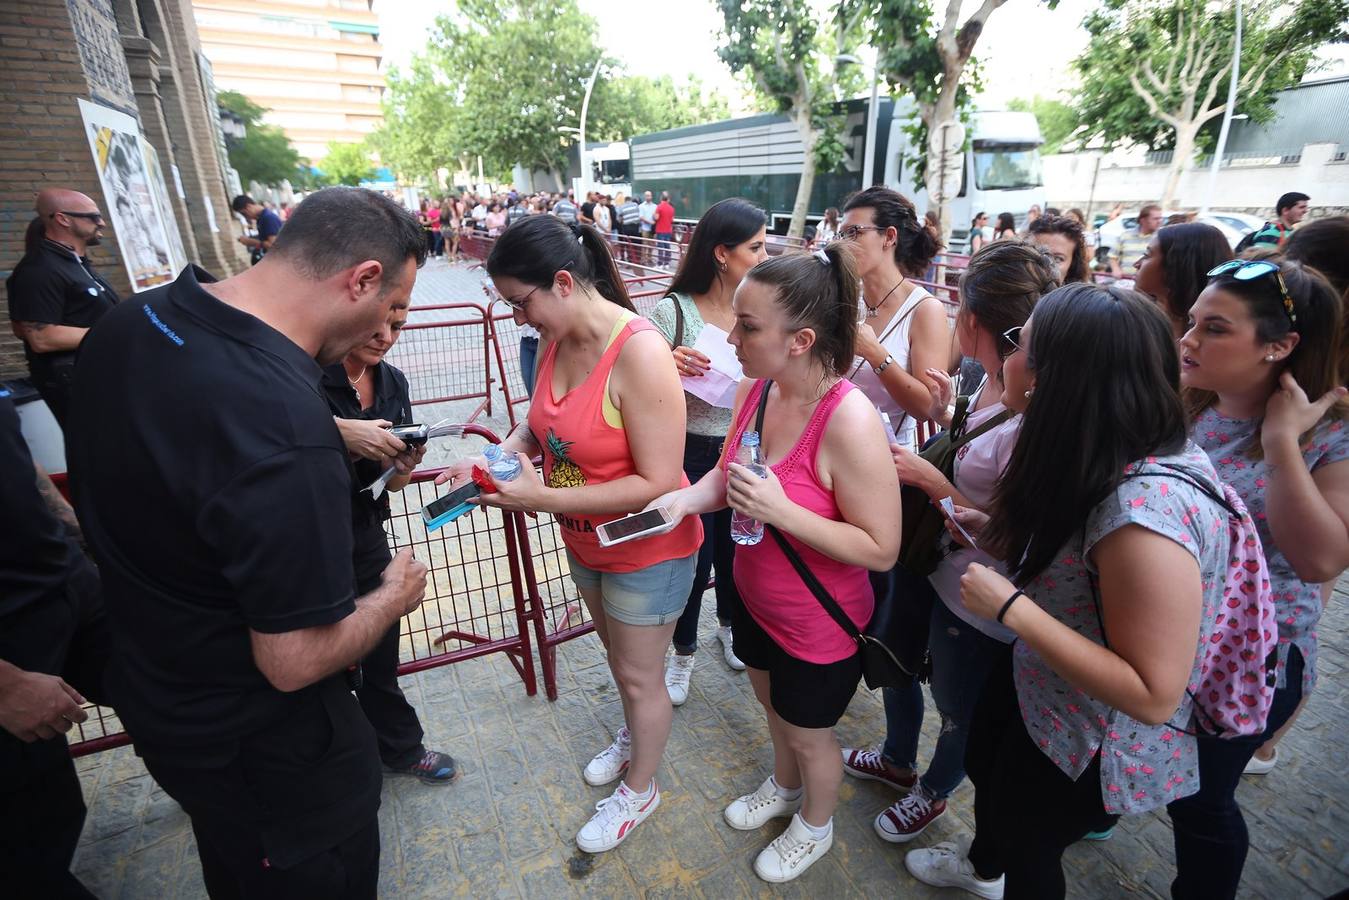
x,y
608,417
832,491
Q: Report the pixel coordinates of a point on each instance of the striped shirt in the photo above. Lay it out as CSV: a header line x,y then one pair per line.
x,y
629,213
1132,246
565,210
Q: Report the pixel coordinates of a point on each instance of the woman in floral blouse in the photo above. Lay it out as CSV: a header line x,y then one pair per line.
x,y
1263,339
1104,520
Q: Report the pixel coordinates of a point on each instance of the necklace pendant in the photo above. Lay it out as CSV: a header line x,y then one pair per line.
x,y
873,312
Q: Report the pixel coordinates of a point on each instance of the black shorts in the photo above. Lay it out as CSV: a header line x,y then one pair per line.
x,y
804,694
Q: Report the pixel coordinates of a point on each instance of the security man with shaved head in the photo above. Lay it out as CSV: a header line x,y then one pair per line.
x,y
55,296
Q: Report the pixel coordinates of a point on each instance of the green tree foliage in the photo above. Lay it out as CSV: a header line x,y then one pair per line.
x,y
788,49
1057,119
498,79
264,154
346,164
1156,71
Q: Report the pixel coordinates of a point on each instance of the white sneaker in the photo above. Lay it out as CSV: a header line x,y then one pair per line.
x,y
948,865
611,762
678,671
1258,766
615,818
724,635
753,810
795,850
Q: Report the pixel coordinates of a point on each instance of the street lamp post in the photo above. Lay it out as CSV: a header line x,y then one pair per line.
x,y
585,107
1227,116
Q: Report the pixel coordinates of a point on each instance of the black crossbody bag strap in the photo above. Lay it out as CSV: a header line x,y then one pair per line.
x,y
807,577
679,321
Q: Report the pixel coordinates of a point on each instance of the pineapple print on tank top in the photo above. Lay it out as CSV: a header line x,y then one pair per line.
x,y
584,442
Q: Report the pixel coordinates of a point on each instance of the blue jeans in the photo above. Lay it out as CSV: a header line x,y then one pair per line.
x,y
529,353
718,550
1210,832
962,658
663,241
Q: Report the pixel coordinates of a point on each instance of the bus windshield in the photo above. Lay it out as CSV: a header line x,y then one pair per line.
x,y
1007,168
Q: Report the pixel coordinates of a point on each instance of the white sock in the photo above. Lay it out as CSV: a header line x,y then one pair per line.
x,y
785,793
640,795
821,832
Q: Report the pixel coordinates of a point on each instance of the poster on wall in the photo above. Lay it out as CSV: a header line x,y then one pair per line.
x,y
158,187
129,197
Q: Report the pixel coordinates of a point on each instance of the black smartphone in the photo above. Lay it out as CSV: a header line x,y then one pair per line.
x,y
412,435
443,505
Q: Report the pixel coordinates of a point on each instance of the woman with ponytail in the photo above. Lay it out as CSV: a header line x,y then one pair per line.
x,y
608,417
903,333
831,493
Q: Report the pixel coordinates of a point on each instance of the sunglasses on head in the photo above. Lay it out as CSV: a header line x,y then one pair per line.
x,y
1251,269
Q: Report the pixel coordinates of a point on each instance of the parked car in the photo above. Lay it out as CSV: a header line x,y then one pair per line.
x,y
1233,225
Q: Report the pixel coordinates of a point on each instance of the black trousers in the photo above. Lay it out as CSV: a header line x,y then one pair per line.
x,y
53,385
41,807
397,728
294,813
1026,810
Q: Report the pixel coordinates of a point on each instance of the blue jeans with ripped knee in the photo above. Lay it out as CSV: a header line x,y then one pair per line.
x,y
962,657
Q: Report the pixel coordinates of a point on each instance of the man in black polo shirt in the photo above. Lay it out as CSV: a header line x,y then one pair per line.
x,y
55,295
267,223
214,488
53,650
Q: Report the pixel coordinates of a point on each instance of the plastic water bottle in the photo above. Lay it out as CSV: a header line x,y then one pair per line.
x,y
503,466
744,529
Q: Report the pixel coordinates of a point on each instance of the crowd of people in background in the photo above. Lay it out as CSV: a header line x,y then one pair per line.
x,y
1124,470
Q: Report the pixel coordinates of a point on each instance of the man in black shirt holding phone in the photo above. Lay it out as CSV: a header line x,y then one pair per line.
x,y
214,489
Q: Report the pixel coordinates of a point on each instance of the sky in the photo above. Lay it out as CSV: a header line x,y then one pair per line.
x,y
1026,48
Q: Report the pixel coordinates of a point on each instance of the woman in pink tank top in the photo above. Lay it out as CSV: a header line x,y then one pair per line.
x,y
832,491
606,410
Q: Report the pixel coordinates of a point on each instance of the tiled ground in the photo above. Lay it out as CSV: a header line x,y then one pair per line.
x,y
506,827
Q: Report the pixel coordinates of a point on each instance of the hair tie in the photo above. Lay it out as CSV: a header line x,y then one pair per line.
x,y
822,257
576,230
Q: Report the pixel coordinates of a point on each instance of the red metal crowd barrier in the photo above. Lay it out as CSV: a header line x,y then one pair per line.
x,y
448,360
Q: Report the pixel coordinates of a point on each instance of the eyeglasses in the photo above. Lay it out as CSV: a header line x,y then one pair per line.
x,y
1251,269
519,305
851,232
1013,336
91,216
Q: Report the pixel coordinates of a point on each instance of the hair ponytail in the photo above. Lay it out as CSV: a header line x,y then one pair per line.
x,y
818,291
536,248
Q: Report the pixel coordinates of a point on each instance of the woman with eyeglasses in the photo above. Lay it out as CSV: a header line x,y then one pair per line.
x,y
608,416
903,337
997,292
1104,520
729,240
1260,369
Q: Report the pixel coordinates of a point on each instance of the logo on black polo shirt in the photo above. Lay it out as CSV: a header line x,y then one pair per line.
x,y
155,321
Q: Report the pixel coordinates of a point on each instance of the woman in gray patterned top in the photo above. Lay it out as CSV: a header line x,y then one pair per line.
x,y
1263,339
729,241
1104,520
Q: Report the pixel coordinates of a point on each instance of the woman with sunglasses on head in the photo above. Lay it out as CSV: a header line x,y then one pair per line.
x,y
608,417
730,239
830,491
1260,370
904,333
1174,268
1105,522
997,292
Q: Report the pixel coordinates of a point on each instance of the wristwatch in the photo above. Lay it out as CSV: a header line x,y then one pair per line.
x,y
881,368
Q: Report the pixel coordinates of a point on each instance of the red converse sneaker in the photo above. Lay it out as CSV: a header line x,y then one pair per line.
x,y
868,764
905,820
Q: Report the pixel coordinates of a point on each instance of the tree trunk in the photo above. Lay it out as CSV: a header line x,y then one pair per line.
x,y
1180,163
944,110
801,207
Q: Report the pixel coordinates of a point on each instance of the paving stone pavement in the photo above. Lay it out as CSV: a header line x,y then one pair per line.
x,y
506,828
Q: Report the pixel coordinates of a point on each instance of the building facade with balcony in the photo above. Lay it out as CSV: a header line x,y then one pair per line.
x,y
313,64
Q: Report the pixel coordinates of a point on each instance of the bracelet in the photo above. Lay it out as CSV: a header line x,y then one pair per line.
x,y
882,367
1008,605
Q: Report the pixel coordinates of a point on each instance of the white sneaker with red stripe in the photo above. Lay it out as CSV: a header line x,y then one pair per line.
x,y
611,762
616,817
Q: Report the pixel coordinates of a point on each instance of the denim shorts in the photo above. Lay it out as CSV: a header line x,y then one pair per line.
x,y
651,596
